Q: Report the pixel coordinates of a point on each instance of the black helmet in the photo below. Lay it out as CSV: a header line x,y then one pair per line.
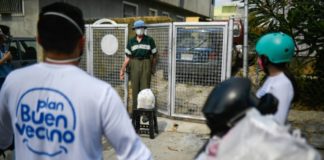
x,y
229,101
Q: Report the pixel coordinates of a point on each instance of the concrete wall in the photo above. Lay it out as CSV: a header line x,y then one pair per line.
x,y
172,2
94,8
203,7
199,6
238,12
25,25
114,8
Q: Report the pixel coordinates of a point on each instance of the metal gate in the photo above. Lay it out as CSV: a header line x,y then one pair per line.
x,y
192,60
160,84
198,64
103,66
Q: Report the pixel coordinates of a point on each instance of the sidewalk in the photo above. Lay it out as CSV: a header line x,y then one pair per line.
x,y
177,140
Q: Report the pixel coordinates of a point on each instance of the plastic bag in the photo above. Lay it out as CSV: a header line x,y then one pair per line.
x,y
146,99
258,137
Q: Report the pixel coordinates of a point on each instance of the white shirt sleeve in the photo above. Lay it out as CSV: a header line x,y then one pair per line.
x,y
281,87
118,129
6,132
284,95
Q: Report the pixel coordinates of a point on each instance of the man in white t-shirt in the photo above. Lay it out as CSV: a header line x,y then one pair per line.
x,y
54,110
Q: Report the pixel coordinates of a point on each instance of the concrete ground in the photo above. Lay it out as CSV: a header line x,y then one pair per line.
x,y
177,140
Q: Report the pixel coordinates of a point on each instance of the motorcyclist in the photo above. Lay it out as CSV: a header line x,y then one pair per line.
x,y
231,110
227,104
275,51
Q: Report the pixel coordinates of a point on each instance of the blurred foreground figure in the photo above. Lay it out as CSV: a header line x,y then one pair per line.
x,y
55,110
242,127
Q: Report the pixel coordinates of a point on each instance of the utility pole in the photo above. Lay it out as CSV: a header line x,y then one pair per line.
x,y
245,43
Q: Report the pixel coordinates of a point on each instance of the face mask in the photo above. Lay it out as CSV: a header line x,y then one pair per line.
x,y
139,31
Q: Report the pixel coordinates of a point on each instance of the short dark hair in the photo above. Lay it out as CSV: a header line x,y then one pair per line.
x,y
59,34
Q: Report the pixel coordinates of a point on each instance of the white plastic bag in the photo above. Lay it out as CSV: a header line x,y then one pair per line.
x,y
258,137
145,99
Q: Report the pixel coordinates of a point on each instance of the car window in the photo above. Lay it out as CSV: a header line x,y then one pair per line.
x,y
28,49
203,40
13,48
193,39
186,43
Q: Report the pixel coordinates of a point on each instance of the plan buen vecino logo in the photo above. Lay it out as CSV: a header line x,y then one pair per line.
x,y
46,124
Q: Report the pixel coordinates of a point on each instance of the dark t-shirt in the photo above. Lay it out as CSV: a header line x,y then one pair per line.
x,y
143,49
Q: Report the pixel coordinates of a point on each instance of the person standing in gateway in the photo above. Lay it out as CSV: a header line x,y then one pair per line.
x,y
141,56
55,110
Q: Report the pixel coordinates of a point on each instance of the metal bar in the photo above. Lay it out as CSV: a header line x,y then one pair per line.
x,y
199,23
189,116
170,99
245,43
105,26
224,52
88,48
229,49
165,32
159,25
126,75
172,77
90,59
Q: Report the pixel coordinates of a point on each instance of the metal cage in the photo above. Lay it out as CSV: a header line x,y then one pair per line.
x,y
192,59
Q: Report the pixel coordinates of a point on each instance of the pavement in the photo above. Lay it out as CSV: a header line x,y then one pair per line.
x,y
177,140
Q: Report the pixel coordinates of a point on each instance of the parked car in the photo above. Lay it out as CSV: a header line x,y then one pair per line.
x,y
198,55
23,51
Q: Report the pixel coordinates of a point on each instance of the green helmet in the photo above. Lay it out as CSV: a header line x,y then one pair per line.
x,y
278,47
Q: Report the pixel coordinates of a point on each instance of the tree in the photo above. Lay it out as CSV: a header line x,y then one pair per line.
x,y
303,20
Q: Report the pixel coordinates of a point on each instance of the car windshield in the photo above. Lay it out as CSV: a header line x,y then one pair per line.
x,y
194,39
28,48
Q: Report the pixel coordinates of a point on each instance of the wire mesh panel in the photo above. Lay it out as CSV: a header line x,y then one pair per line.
x,y
198,60
162,35
84,58
106,67
83,62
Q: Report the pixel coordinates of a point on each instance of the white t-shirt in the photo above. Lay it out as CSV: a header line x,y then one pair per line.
x,y
60,112
281,87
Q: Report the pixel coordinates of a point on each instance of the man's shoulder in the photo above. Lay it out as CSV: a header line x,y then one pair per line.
x,y
282,82
25,70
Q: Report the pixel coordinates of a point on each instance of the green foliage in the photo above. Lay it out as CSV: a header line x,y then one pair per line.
x,y
311,90
304,21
